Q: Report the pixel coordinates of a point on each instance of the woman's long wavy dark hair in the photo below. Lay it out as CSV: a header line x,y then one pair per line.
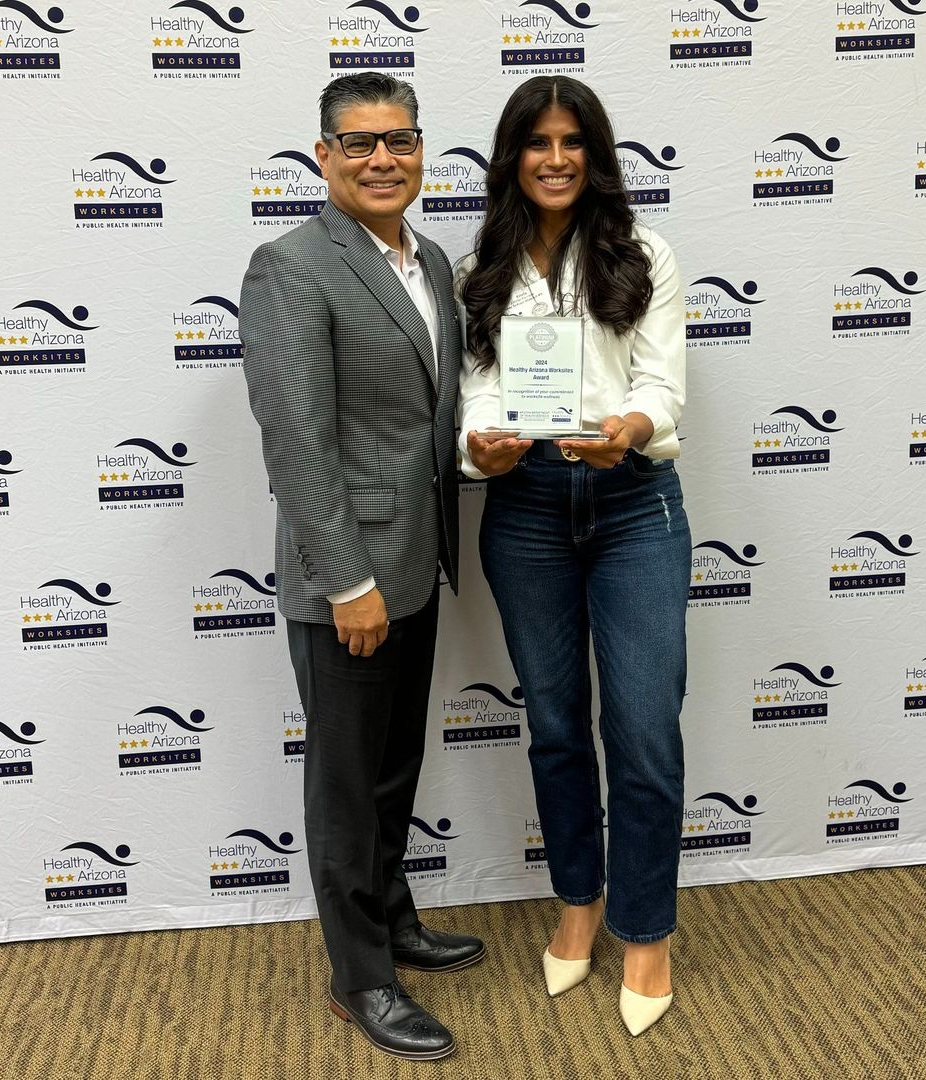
x,y
612,270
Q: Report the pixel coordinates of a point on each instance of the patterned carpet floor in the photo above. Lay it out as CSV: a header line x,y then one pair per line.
x,y
821,977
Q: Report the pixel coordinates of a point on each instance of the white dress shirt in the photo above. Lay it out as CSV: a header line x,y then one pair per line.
x,y
641,371
411,273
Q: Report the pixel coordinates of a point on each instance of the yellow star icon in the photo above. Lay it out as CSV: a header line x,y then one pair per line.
x,y
288,733
832,815
208,607
179,335
921,164
199,607
758,172
133,744
123,745
696,32
448,719
850,813
224,865
675,32
850,26
178,42
699,577
277,191
268,191
218,607
757,443
686,33
860,25
527,38
768,697
835,568
79,193
157,43
168,42
23,341
507,39
910,688
234,866
757,698
47,618
299,731
838,307
768,442
144,742
345,41
517,39
769,172
113,476
190,335
777,442
28,618
356,41
214,866
334,41
776,697
858,305
427,187
200,334
779,172
840,26
103,478
448,187
60,877
697,314
913,434
255,191
49,879
89,193
845,567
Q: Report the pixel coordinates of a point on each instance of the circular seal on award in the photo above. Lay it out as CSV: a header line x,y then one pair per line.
x,y
541,337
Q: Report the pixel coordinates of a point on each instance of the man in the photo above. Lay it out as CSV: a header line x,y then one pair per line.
x,y
352,350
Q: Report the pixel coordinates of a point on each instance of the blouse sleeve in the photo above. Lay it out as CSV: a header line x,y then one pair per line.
x,y
657,361
479,399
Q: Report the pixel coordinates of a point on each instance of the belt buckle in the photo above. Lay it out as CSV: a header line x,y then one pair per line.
x,y
569,455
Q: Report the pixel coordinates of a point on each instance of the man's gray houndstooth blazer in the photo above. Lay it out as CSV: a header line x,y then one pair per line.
x,y
358,431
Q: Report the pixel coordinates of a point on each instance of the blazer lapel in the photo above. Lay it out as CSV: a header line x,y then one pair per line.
x,y
446,315
370,265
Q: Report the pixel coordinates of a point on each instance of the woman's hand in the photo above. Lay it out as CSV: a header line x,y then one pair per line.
x,y
495,454
623,432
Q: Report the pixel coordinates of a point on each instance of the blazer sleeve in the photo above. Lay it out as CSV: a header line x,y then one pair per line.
x,y
285,325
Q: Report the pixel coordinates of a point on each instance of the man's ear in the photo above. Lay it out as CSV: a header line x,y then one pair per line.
x,y
322,155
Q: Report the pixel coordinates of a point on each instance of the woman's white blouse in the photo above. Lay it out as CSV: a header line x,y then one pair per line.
x,y
640,371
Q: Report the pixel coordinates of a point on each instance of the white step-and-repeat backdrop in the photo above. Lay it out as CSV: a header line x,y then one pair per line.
x,y
150,732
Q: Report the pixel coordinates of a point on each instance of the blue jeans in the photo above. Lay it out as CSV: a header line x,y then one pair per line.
x,y
567,550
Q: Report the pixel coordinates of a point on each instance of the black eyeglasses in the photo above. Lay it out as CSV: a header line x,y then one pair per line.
x,y
356,144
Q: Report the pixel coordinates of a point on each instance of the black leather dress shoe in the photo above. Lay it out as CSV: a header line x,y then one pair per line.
x,y
430,950
393,1022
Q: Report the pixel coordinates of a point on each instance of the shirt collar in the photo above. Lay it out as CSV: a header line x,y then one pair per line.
x,y
409,245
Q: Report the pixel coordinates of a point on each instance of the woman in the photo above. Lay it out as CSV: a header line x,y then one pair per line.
x,y
587,537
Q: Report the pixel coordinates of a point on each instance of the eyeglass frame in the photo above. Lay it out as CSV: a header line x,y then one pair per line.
x,y
378,136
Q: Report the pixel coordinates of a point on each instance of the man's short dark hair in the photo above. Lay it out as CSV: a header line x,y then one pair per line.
x,y
365,88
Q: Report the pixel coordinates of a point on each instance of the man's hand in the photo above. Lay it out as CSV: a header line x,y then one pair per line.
x,y
362,624
495,454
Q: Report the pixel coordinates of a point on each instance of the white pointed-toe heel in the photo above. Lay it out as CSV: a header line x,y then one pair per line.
x,y
640,1012
563,975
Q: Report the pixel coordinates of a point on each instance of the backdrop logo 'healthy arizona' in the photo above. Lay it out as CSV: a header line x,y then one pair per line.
x,y
45,343
30,42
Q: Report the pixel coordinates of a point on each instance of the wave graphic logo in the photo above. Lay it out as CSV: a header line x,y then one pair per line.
x,y
294,188
207,51
647,173
721,574
457,185
16,762
873,563
718,312
543,35
153,743
880,301
237,604
721,822
382,39
93,873
206,334
6,458
888,35
714,37
25,53
793,438
426,851
871,809
254,861
796,169
69,615
797,697
483,715
147,480
120,191
51,338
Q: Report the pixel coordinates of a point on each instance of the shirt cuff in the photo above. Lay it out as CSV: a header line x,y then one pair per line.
x,y
353,593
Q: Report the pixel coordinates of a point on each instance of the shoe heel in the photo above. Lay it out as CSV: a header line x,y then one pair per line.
x,y
338,1011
